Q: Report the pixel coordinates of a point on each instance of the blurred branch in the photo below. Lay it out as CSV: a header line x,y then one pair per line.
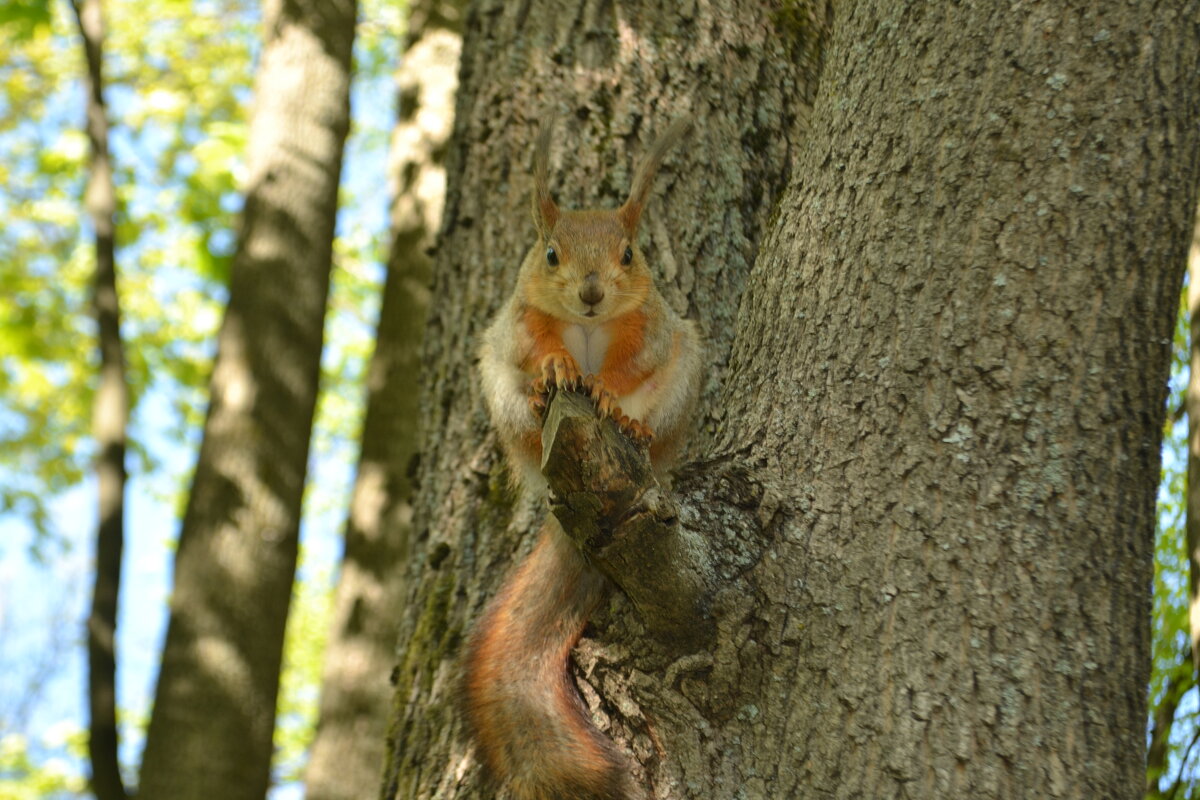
x,y
1192,404
1183,766
110,419
1157,755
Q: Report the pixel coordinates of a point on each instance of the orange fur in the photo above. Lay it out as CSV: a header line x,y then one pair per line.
x,y
621,371
524,711
545,333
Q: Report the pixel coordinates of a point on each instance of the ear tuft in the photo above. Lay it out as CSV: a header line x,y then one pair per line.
x,y
631,212
545,210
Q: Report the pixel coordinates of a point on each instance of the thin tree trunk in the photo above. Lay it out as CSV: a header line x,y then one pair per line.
x,y
1192,404
612,76
347,752
1162,723
928,502
211,729
110,418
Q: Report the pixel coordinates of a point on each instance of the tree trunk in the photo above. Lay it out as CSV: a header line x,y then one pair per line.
x,y
965,314
1192,404
211,728
612,76
110,419
928,498
347,752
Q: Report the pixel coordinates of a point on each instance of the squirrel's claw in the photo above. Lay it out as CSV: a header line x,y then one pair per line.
x,y
606,403
559,370
606,406
639,432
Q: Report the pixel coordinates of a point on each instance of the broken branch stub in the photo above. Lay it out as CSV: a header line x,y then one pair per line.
x,y
606,497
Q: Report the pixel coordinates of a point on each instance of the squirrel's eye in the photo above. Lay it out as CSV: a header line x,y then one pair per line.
x,y
627,256
551,257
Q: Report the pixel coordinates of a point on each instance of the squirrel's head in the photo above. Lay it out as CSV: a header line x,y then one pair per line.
x,y
586,266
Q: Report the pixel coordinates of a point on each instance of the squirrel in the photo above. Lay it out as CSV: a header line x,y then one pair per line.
x,y
587,317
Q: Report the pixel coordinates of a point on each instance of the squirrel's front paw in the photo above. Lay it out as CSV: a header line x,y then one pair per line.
x,y
559,371
606,406
637,431
606,401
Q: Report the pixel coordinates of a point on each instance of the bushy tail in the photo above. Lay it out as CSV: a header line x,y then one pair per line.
x,y
529,723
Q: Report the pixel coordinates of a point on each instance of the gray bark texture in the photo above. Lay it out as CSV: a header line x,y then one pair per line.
x,y
922,497
347,752
210,733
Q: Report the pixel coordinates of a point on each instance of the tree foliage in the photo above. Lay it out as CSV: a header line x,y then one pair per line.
x,y
1174,711
45,395
29,773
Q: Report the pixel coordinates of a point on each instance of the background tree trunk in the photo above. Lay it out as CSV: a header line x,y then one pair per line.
x,y
930,489
612,76
1192,404
347,752
214,711
110,419
1160,752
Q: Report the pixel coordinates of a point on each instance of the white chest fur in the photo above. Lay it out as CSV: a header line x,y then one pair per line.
x,y
587,346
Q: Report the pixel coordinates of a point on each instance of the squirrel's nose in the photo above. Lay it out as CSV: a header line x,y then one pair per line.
x,y
591,292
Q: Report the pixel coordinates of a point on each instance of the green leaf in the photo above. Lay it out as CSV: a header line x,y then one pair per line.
x,y
24,18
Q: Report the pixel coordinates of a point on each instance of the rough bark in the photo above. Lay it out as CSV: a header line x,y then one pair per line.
x,y
948,394
612,76
110,419
211,729
929,496
347,752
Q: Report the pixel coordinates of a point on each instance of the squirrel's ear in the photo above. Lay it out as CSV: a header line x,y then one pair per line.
x,y
631,212
545,210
